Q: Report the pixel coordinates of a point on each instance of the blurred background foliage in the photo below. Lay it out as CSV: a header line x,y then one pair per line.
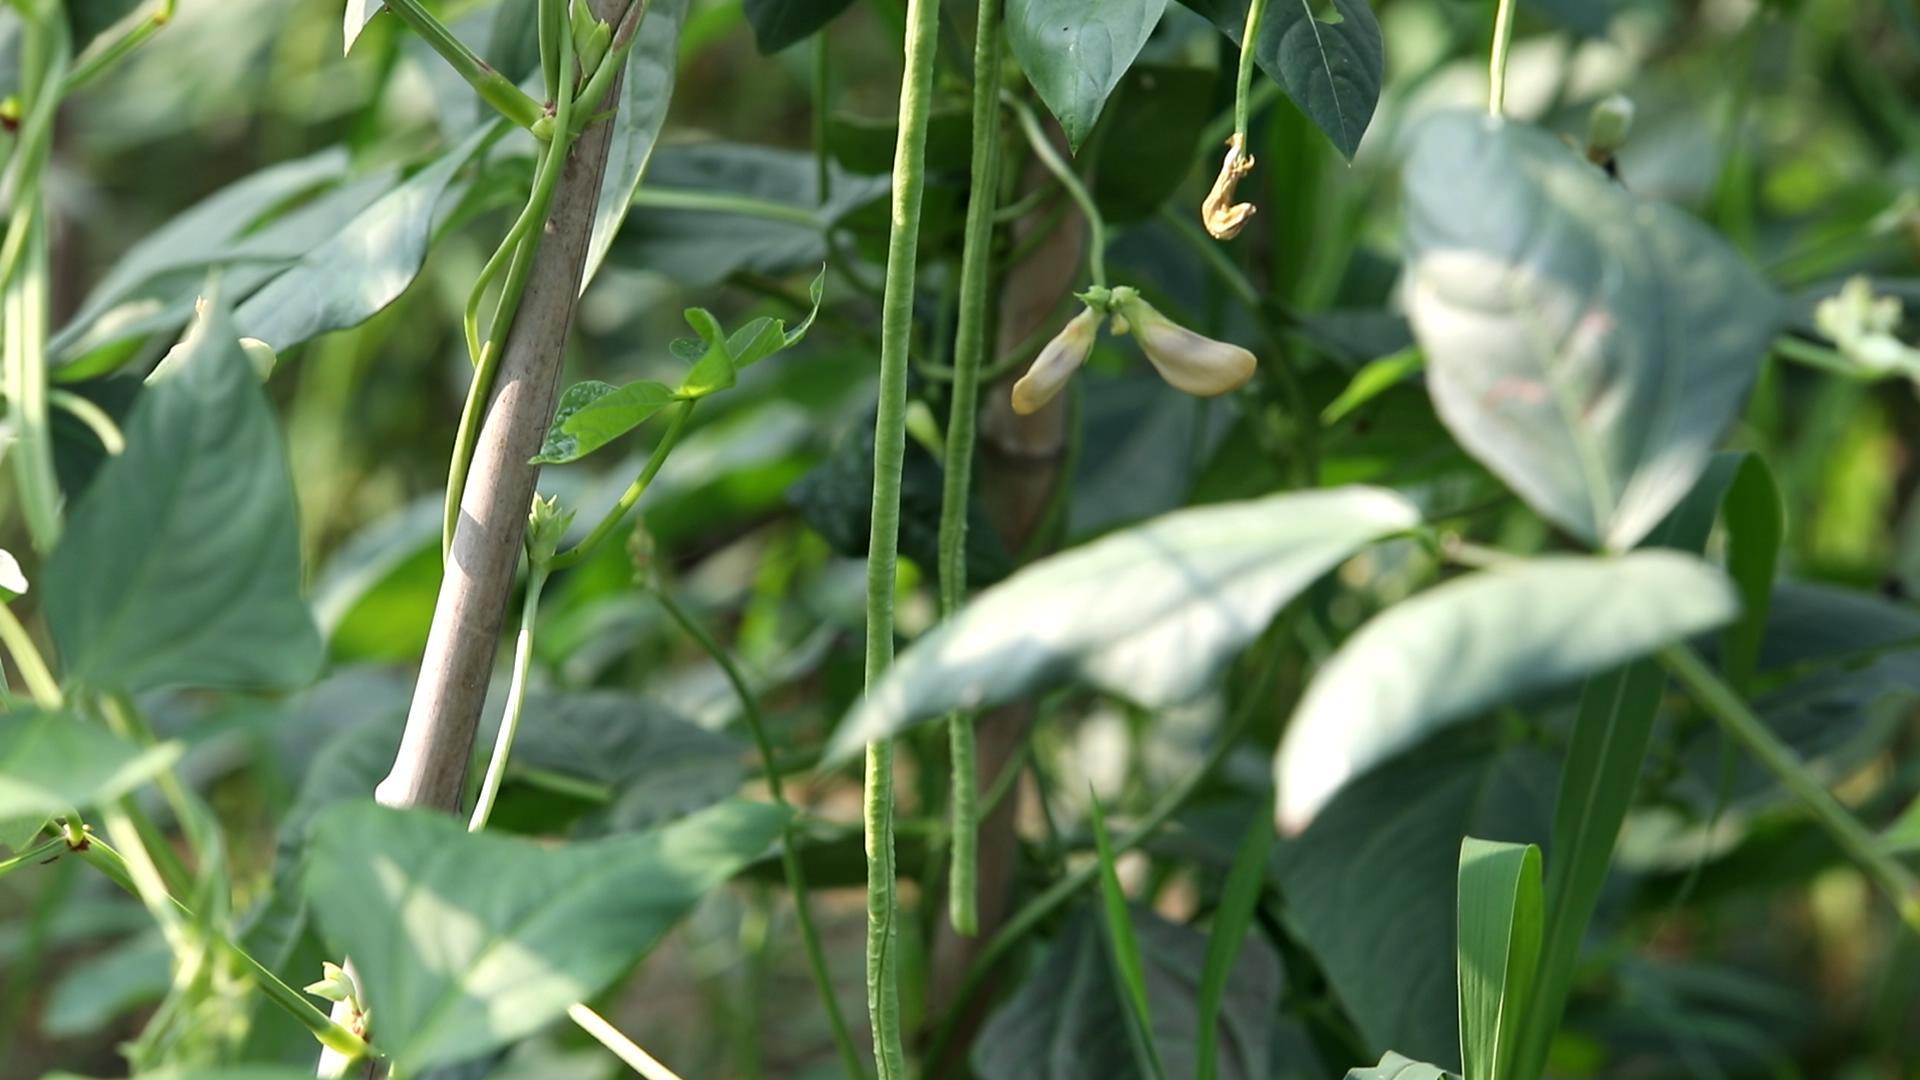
x,y
1791,125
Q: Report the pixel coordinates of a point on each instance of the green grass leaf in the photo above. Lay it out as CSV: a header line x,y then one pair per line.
x,y
1124,950
1501,913
1231,922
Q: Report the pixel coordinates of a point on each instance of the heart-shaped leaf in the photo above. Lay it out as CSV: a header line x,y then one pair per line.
x,y
1326,54
1480,640
1152,613
468,941
181,564
51,763
1075,52
1588,347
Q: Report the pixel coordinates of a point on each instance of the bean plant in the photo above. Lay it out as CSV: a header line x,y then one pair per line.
x,y
1000,538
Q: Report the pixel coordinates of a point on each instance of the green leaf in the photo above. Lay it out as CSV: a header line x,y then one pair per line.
x,y
1756,517
1813,623
714,371
1123,949
1501,912
1480,640
1376,378
1063,1021
51,763
352,276
1326,54
646,90
1074,52
1587,347
1396,1067
1375,876
592,414
1152,613
1157,114
780,23
469,941
1231,921
181,563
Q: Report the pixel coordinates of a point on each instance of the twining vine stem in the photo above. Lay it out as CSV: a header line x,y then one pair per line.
x,y
883,547
1497,75
1049,156
969,349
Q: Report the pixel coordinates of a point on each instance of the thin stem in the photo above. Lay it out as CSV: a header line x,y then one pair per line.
x,y
516,701
622,1047
26,656
494,88
35,853
23,310
1243,90
1050,157
97,853
713,202
883,547
1502,38
127,721
1750,731
93,416
102,56
789,853
969,351
676,426
553,21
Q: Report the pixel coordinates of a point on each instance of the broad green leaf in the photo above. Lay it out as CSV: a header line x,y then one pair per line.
x,y
1326,54
780,23
1480,640
1501,911
1075,52
1231,921
1152,613
1586,346
715,370
352,276
51,763
1123,950
211,232
592,414
1375,876
1064,1021
646,90
181,564
469,941
1397,1067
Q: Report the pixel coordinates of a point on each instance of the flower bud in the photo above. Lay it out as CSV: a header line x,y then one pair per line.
x,y
335,985
1056,363
1192,363
547,526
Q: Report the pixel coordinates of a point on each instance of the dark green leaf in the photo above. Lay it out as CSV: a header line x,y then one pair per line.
x,y
1480,640
1756,518
468,941
645,92
1157,115
1152,613
1231,921
181,565
1327,54
1074,52
1588,347
1500,915
780,23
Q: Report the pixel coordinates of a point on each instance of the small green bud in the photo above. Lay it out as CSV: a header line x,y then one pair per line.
x,y
542,128
335,985
547,526
591,38
1608,128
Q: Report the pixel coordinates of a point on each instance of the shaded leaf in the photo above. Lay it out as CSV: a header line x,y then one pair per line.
x,y
1587,347
468,941
780,23
646,90
181,564
1152,613
1480,640
1326,54
1074,53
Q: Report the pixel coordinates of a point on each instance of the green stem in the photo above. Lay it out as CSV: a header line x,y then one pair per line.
x,y
494,88
26,656
1243,89
676,426
516,701
102,56
712,202
1502,38
553,22
618,1044
126,721
97,853
93,416
883,547
1050,157
1750,731
32,854
969,351
789,853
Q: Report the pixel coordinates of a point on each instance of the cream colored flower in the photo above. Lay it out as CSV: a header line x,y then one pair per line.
x,y
1192,363
1056,363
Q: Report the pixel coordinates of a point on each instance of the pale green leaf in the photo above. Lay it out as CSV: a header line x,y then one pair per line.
x,y
1152,613
1478,641
1396,1067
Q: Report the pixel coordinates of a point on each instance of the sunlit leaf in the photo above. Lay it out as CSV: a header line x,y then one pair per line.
x,y
468,941
1587,346
592,414
1152,613
1397,1067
